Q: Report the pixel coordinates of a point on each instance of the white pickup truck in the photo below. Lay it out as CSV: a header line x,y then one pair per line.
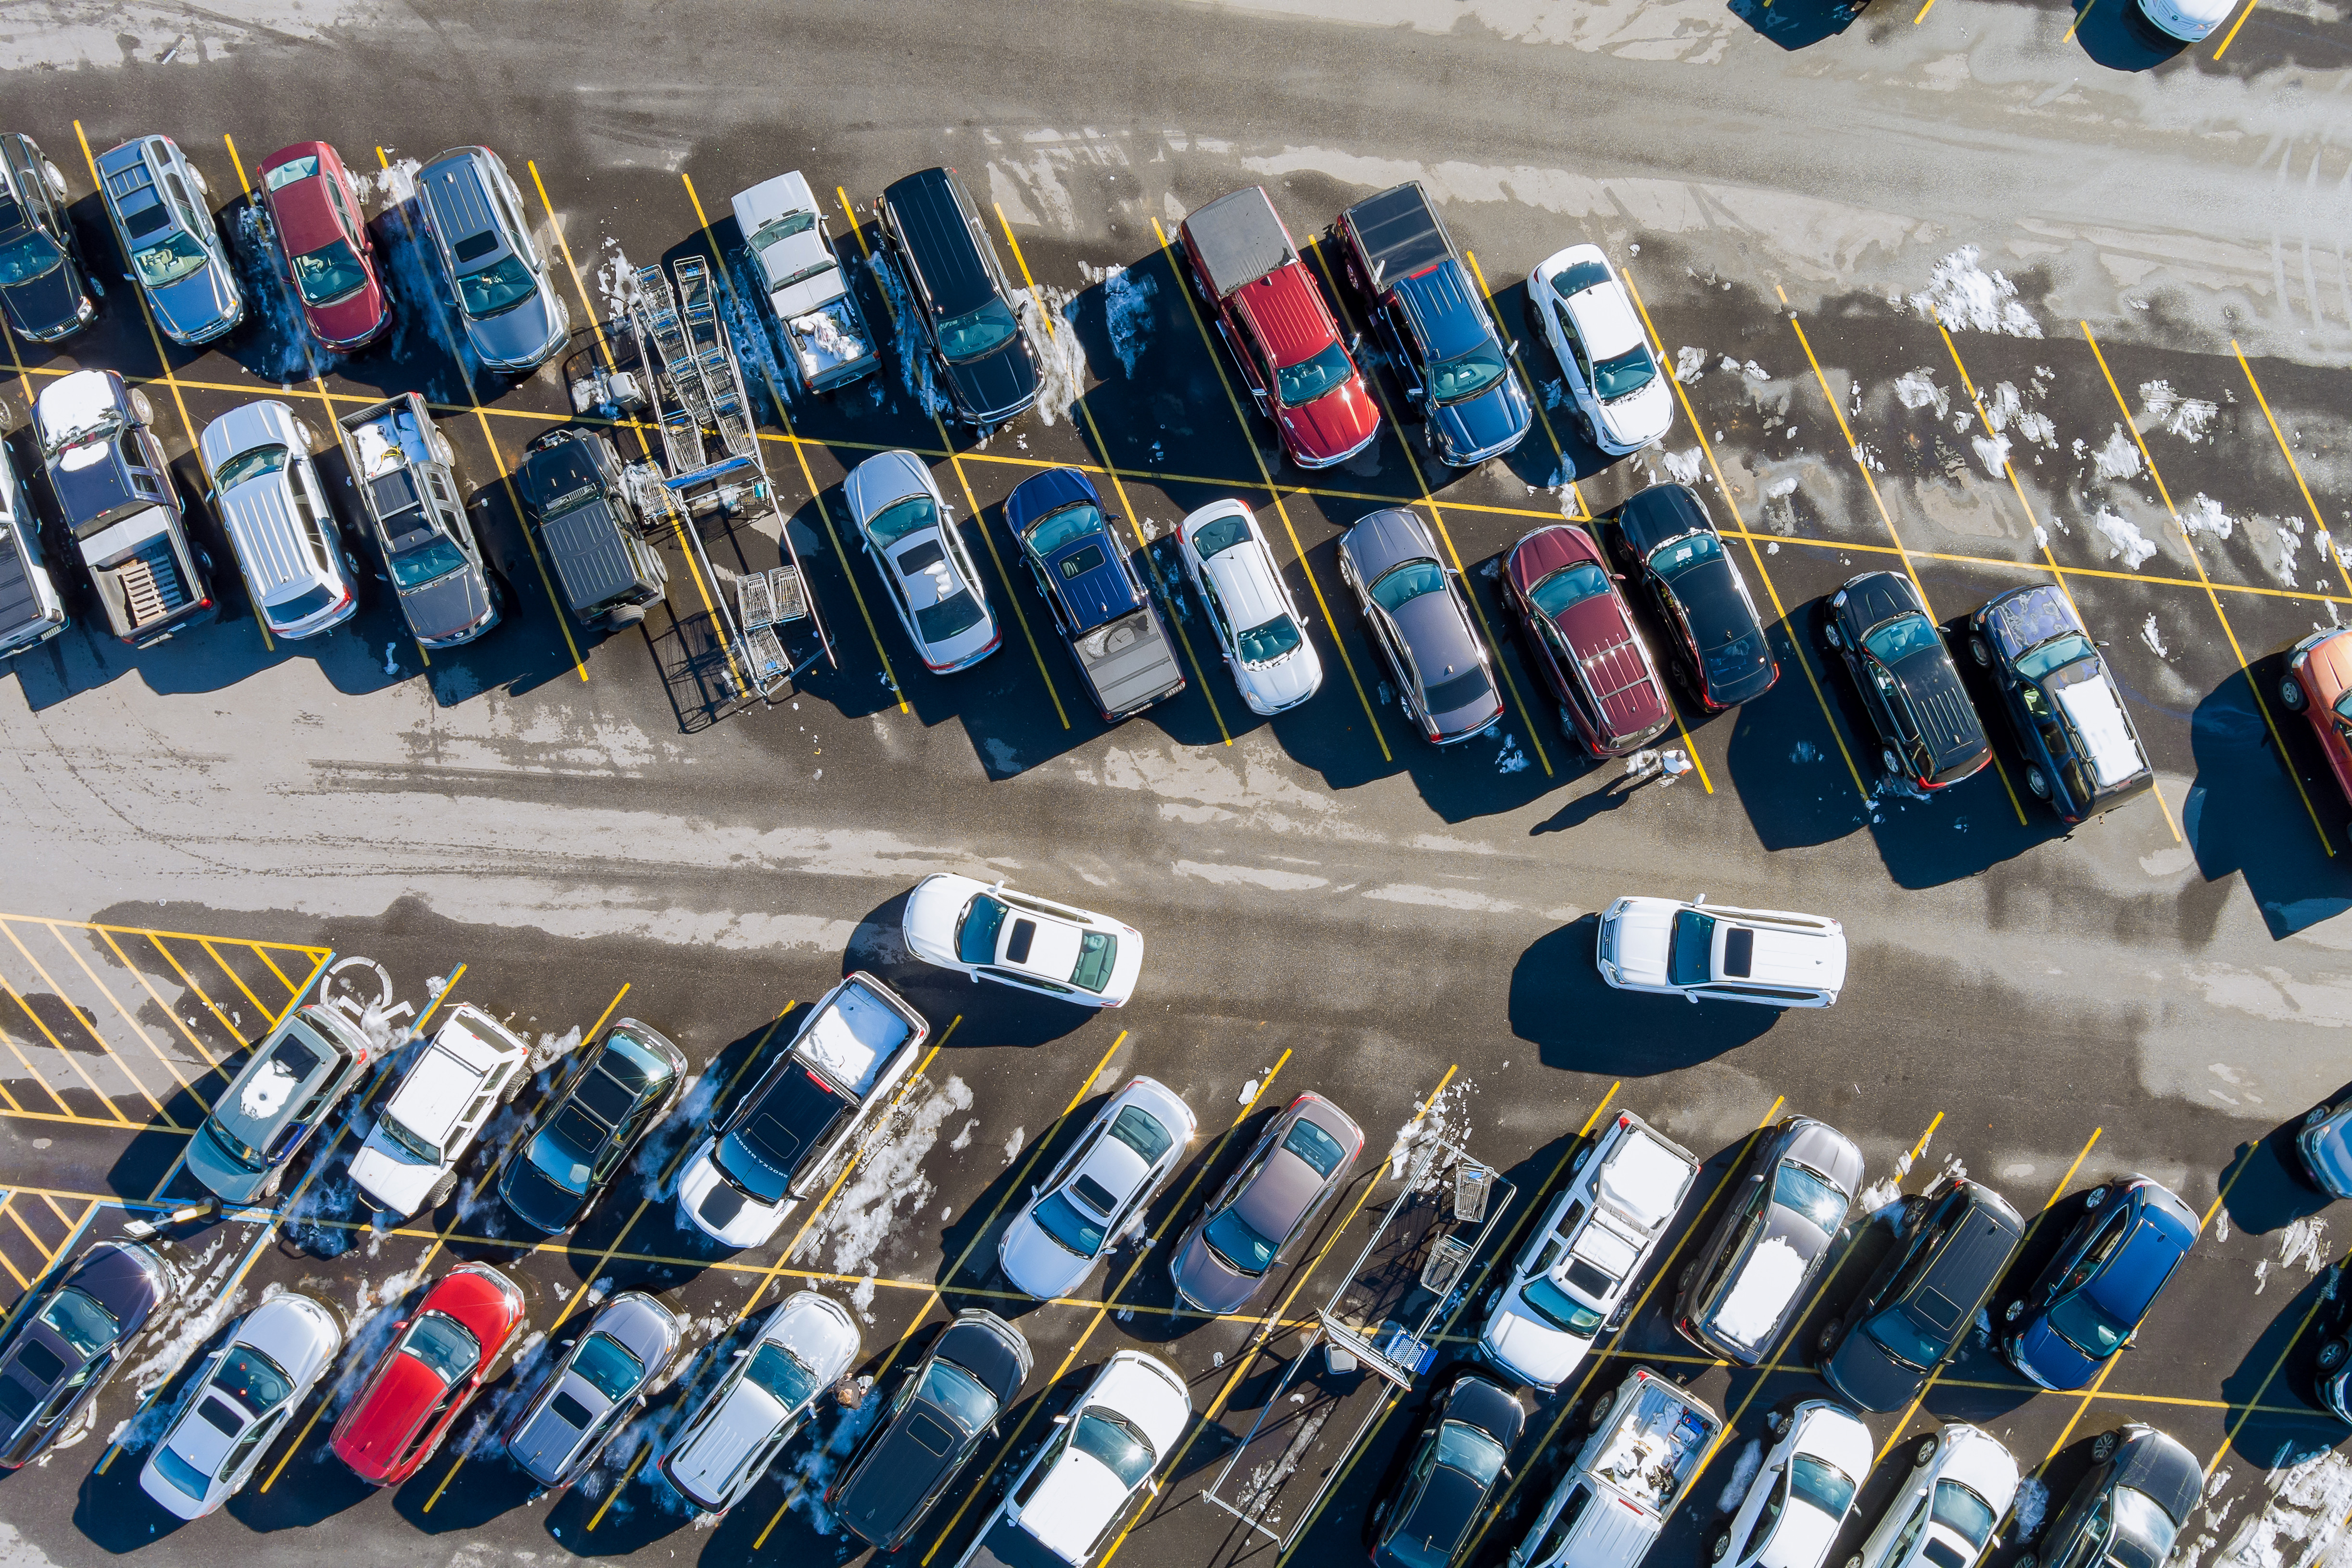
x,y
1648,1438
806,288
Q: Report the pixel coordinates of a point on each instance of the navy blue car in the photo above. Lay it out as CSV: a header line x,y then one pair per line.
x,y
1105,616
2105,1275
2082,754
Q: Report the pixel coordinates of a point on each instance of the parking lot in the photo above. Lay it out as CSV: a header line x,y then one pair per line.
x,y
2057,312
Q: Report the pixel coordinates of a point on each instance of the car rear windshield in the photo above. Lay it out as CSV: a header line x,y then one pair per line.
x,y
1215,537
1403,583
951,616
1809,1193
1959,1510
608,1366
782,1374
2037,664
446,1347
1310,379
80,1320
1690,960
1737,659
1063,1220
330,273
1067,526
900,519
1821,1483
1466,374
1678,555
302,605
1098,950
1899,639
1903,1340
1140,1131
1560,1309
1569,585
185,1477
29,255
252,1380
1465,1449
494,290
290,172
1267,641
2085,1326
1118,1443
1321,1152
1237,1241
976,928
977,332
1624,375
950,1388
166,262
1458,692
415,568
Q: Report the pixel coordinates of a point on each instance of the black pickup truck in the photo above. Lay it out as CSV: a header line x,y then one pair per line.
x,y
1433,319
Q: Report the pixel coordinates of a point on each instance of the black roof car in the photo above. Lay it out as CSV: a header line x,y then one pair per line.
x,y
42,286
1741,1290
573,491
959,295
2130,1509
2082,750
1453,1470
628,1082
1928,729
1954,1242
1667,540
940,1413
70,1338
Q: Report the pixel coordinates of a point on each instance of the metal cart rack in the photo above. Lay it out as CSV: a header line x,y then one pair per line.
x,y
1370,1341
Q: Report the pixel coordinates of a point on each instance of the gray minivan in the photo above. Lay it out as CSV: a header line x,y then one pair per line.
x,y
575,498
31,610
275,1101
156,198
503,287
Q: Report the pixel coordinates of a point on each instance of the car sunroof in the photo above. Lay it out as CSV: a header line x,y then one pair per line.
x,y
1016,947
1738,952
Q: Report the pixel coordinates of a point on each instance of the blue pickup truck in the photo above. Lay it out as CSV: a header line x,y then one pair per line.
x,y
1434,322
1101,609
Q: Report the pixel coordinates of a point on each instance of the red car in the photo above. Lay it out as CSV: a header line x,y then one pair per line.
x,y
437,1363
1581,635
316,210
1275,324
2317,685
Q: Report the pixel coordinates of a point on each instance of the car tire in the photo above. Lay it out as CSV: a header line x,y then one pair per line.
x,y
1890,762
2315,1115
2095,1197
2332,1353
1925,1453
309,437
1601,1409
2290,692
1721,1548
204,187
1981,651
268,1192
140,408
2037,782
1830,635
627,615
1828,1339
1855,1560
2013,1312
54,177
2103,1448
443,1191
513,1090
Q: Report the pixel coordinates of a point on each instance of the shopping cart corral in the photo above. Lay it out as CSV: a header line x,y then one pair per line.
x,y
1370,1341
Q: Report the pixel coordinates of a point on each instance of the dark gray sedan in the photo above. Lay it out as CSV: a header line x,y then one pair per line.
x,y
938,1416
2130,1508
594,1391
1453,1470
627,1084
70,1341
1422,621
1747,1284
1304,1158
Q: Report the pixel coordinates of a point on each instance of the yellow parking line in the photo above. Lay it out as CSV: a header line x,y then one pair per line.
x,y
1249,438
234,978
306,950
156,940
2231,36
2310,507
2082,11
1118,484
65,1112
2292,1340
586,304
1437,514
136,1027
263,953
72,1059
44,1249
89,1021
627,1476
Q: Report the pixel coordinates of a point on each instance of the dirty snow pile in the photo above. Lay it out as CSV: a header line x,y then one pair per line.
x,y
2124,539
1417,1141
2154,640
911,352
1743,1475
1061,360
2302,1524
830,342
890,1173
1917,389
2186,417
1961,293
1126,312
1690,363
2118,457
616,282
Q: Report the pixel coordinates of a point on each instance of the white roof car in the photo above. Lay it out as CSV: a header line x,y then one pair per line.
x,y
1083,1481
2186,21
1258,626
1576,1273
1803,1491
1619,392
239,1401
1022,940
409,1162
727,1443
1961,1483
783,231
1097,1190
274,511
1718,953
910,533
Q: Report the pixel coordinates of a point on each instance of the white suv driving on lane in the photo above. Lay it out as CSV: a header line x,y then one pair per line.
x,y
1717,954
409,1162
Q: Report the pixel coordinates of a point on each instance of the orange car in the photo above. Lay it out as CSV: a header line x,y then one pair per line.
x,y
2318,685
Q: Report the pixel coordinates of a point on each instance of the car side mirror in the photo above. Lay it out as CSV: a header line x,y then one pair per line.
x,y
1355,341
1514,351
1062,1420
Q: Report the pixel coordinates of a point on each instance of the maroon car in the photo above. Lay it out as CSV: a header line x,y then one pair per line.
x,y
316,210
1581,635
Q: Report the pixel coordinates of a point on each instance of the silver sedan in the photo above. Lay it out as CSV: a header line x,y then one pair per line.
x,y
1422,622
239,1402
592,1392
743,1423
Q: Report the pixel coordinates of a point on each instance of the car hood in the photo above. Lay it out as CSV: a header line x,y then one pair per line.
x,y
998,386
393,1178
2052,1359
45,303
516,336
540,1203
1038,1264
1488,423
1333,426
1950,719
1640,417
446,605
1205,1280
1801,1541
1643,930
1527,1349
1867,1376
1070,1508
198,303
222,1174
720,1210
931,910
1050,491
882,478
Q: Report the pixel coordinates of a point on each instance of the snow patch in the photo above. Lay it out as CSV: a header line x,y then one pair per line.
x,y
1012,1144
1061,360
2120,457
2203,514
2154,640
1743,1475
1126,312
1917,389
1690,363
1683,467
2302,1524
1992,452
2186,418
1961,293
889,1173
2124,539
2305,1242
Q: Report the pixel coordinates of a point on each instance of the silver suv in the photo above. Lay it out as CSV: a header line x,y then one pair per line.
x,y
515,321
156,198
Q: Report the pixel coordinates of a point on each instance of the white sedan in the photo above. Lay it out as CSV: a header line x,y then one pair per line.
x,y
1258,623
1622,401
1802,1495
1098,1191
1030,944
1715,953
1961,1482
239,1402
907,529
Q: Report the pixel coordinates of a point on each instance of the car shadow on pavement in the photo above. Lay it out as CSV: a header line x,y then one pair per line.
x,y
1580,1023
2240,816
2278,1374
1787,765
2114,33
2266,1189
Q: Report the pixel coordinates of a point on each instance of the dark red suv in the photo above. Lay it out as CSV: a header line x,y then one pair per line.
x,y
1581,635
315,208
437,1362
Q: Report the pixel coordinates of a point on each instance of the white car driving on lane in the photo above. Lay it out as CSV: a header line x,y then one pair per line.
x,y
1961,1483
1714,953
1098,1191
1248,603
1618,388
239,1402
910,533
992,934
1801,1494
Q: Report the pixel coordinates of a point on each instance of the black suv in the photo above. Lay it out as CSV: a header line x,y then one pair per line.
x,y
1928,729
577,502
959,295
41,287
1953,1243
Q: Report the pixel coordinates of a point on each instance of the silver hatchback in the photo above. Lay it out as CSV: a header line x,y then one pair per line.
x,y
740,1426
505,292
156,200
592,1392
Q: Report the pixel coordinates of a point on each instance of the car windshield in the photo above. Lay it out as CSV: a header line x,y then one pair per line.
x,y
951,616
249,465
1067,526
1821,1483
1215,537
1569,585
174,256
1627,373
252,1380
1809,1193
428,564
1466,374
777,1372
2143,1534
332,272
1237,1241
608,1366
1098,950
28,257
900,519
950,1388
1899,639
1068,1225
1736,659
1465,1449
83,1323
408,1141
2037,664
1310,379
776,229
446,1347
976,928
2087,1327
1690,960
1679,555
1558,1308
976,332
501,286
1113,1439
290,172
1267,641
1408,582
1959,1510
1903,1340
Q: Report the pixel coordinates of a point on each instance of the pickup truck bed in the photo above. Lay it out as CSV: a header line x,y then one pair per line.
x,y
19,603
1399,234
1128,663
